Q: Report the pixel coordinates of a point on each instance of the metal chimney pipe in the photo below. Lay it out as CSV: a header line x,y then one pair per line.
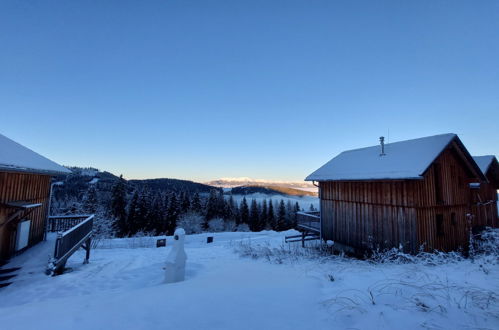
x,y
382,141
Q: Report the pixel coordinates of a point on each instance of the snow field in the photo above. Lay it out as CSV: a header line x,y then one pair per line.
x,y
250,281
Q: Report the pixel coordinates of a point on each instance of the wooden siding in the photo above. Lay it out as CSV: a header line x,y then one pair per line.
x,y
486,203
368,215
384,214
22,187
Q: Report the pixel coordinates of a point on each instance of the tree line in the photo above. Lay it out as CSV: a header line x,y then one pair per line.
x,y
159,213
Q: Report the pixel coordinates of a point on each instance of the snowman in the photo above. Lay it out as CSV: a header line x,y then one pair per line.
x,y
175,262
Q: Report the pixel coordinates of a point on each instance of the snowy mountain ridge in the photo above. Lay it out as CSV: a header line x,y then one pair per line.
x,y
246,181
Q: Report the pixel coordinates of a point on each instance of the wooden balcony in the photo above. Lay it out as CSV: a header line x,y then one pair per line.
x,y
74,232
309,221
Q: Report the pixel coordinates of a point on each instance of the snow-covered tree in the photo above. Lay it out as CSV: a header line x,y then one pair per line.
x,y
191,222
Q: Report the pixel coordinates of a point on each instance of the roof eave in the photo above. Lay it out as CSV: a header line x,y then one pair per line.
x,y
363,180
4,168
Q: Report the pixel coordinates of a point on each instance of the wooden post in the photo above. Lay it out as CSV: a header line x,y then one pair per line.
x,y
302,239
87,249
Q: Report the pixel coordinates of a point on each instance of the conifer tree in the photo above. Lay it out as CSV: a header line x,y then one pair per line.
x,y
271,216
294,218
155,214
90,201
297,207
186,203
143,210
289,214
196,203
212,206
244,211
133,218
118,207
172,215
264,216
281,217
254,217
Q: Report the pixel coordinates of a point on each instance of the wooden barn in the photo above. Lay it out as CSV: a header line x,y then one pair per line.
x,y
25,182
486,206
408,194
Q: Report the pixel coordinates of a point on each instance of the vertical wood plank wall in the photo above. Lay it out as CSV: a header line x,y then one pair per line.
x,y
22,187
487,195
384,214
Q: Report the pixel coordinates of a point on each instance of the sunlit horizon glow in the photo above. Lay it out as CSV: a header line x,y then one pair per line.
x,y
264,89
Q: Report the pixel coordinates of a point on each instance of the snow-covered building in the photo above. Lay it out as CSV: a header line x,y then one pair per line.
x,y
411,193
25,179
486,197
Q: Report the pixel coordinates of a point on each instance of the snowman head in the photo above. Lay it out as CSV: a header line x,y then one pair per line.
x,y
179,235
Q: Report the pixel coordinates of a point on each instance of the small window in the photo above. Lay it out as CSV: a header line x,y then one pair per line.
x,y
440,224
453,220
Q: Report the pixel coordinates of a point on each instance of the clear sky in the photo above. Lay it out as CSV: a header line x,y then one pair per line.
x,y
266,89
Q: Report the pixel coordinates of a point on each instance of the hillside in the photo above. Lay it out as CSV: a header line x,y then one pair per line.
x,y
71,190
174,185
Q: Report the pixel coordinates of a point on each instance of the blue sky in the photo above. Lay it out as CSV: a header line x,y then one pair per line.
x,y
266,89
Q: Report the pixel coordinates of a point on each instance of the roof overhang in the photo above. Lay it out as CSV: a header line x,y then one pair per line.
x,y
19,169
22,205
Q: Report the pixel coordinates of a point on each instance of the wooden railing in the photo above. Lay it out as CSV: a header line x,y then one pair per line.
x,y
64,222
309,220
70,240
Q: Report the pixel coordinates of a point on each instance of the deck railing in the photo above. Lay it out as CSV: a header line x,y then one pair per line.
x,y
70,238
64,222
309,220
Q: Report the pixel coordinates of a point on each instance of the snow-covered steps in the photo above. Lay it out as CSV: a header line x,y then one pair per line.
x,y
6,276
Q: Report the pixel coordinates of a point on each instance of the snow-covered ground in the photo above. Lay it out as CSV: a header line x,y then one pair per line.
x,y
248,281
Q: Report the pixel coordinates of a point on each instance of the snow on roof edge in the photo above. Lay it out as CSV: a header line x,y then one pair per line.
x,y
17,158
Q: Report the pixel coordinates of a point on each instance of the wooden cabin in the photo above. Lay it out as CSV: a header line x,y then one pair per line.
x,y
486,205
408,194
25,183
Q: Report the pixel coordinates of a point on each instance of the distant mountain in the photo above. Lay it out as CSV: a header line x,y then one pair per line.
x,y
270,190
244,181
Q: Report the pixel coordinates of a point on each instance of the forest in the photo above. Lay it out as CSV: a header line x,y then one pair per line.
x,y
156,207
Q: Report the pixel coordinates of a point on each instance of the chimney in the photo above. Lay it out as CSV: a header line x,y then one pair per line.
x,y
382,142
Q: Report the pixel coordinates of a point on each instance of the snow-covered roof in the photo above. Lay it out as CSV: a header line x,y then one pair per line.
x,y
15,157
484,162
402,160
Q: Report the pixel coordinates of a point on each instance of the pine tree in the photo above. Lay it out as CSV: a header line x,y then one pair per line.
x,y
212,210
90,201
281,217
155,214
263,216
196,203
133,218
172,215
144,210
271,216
118,207
186,203
254,217
244,211
294,218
